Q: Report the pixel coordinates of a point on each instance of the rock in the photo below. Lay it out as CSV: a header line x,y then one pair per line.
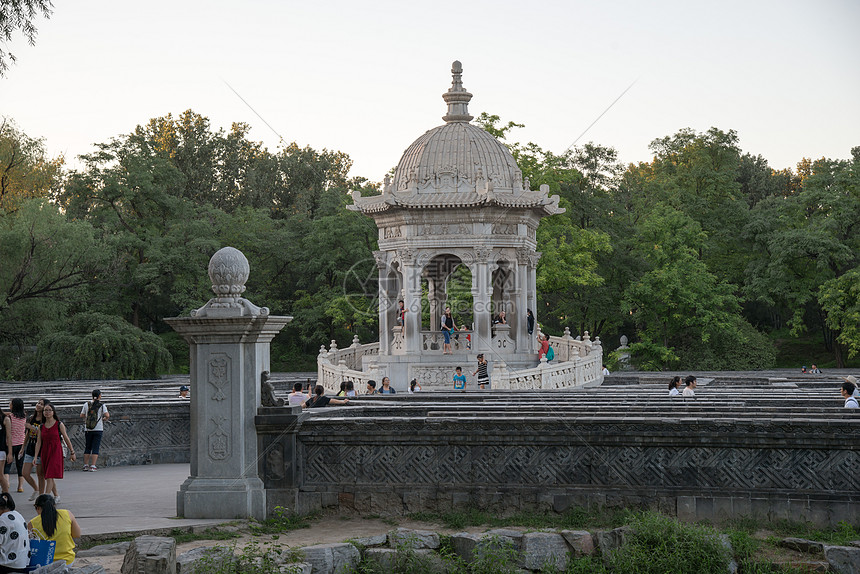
x,y
580,542
105,550
58,567
384,557
802,545
464,545
370,541
542,549
296,568
843,559
413,539
515,537
150,555
331,558
88,569
732,566
611,540
854,543
210,556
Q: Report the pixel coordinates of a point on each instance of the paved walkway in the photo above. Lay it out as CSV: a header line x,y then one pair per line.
x,y
120,499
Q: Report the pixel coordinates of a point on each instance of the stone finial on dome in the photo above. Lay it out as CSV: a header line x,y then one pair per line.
x,y
457,97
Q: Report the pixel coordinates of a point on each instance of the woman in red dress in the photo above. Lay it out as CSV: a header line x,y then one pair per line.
x,y
49,447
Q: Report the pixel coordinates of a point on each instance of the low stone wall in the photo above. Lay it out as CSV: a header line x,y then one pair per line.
x,y
137,433
689,459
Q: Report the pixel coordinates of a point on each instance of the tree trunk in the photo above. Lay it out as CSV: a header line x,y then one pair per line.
x,y
837,352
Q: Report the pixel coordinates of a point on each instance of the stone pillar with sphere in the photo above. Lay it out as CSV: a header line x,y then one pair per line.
x,y
229,344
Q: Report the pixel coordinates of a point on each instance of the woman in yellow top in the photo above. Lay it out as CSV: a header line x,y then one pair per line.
x,y
56,524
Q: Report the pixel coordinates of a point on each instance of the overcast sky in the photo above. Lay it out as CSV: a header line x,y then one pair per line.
x,y
366,78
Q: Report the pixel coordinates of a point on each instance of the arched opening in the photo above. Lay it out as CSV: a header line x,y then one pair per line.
x,y
446,282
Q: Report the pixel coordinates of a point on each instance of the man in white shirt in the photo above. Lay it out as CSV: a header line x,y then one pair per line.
x,y
689,385
848,390
94,413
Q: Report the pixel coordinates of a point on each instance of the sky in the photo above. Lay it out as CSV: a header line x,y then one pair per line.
x,y
366,78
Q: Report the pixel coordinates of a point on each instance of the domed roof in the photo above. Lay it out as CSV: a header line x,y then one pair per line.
x,y
457,156
456,165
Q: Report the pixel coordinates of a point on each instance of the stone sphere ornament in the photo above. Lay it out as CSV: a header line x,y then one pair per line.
x,y
229,271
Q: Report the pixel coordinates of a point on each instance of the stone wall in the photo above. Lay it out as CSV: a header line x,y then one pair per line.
x,y
137,433
694,465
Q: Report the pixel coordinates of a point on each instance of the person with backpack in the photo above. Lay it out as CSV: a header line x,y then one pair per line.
x,y
94,413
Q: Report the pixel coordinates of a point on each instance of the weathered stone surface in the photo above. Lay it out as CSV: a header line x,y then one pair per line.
x,y
370,541
331,558
802,545
732,566
580,541
405,537
464,545
150,555
515,537
384,557
105,550
843,559
541,549
296,568
210,556
854,543
611,540
88,569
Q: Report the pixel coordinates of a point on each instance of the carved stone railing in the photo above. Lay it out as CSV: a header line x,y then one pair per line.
x,y
337,365
577,363
432,341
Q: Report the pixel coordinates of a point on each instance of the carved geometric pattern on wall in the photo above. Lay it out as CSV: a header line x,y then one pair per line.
x,y
578,465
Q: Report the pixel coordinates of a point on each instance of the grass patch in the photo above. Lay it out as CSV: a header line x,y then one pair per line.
x,y
573,518
281,521
182,537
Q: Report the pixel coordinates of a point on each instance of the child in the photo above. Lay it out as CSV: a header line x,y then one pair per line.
x,y
459,380
481,371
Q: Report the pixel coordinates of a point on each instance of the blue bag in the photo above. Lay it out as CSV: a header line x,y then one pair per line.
x,y
42,551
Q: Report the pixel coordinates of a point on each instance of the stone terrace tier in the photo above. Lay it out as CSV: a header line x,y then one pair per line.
x,y
769,451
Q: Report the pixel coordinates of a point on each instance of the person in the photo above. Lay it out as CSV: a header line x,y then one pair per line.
x,y
501,319
853,380
459,379
848,390
297,397
386,387
30,460
183,394
5,449
14,538
18,423
350,389
530,322
51,434
401,316
815,370
342,391
689,385
544,345
371,387
57,524
414,387
673,386
94,413
481,371
803,369
447,327
605,370
319,399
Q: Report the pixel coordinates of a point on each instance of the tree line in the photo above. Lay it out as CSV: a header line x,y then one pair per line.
x,y
699,255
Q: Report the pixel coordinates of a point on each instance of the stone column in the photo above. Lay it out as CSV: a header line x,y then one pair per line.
x,y
433,296
229,344
412,301
532,296
385,302
522,305
482,292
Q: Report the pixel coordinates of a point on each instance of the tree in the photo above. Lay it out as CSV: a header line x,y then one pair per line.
x,y
48,265
19,15
25,169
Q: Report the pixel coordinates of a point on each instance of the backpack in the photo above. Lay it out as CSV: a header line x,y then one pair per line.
x,y
93,418
550,354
